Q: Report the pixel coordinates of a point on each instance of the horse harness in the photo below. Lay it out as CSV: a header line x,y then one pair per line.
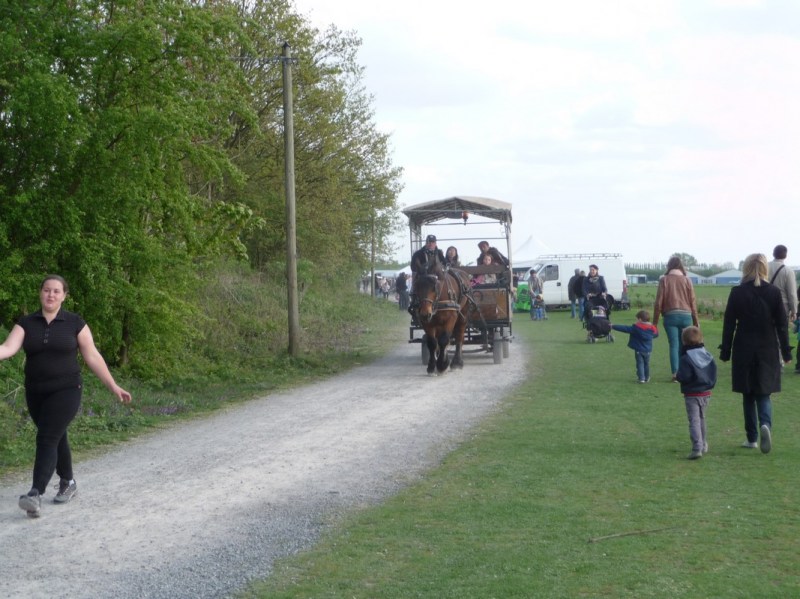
x,y
452,294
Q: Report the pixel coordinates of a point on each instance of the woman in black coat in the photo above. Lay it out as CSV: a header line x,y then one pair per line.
x,y
754,318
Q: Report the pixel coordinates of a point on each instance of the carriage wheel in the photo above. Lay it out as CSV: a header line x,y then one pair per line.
x,y
426,354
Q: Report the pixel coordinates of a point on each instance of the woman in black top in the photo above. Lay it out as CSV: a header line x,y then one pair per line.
x,y
51,338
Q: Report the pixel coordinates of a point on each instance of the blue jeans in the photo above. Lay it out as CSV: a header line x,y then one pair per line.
x,y
643,365
757,410
674,325
573,305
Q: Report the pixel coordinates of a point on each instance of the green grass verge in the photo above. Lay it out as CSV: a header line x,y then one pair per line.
x,y
580,487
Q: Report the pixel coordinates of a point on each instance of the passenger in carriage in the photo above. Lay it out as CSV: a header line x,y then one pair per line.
x,y
488,278
497,257
451,257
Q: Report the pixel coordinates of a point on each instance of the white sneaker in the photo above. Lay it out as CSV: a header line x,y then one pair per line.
x,y
750,445
766,439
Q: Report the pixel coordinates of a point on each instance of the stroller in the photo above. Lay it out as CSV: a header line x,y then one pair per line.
x,y
596,321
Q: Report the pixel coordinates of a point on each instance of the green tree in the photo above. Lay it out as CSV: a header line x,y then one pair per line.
x,y
105,109
142,140
346,186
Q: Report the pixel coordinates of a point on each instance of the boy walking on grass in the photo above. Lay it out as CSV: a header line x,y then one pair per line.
x,y
642,333
697,374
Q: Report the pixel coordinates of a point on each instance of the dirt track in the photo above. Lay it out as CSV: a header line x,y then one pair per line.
x,y
200,509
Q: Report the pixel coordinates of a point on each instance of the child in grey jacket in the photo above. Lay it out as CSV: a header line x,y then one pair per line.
x,y
697,374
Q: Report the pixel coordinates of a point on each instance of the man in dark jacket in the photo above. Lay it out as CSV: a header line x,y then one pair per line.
x,y
497,257
429,259
578,290
573,296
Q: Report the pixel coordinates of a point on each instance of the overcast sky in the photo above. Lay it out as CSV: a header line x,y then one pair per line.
x,y
644,127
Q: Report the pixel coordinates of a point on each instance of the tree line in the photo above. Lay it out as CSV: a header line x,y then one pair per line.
x,y
141,143
654,270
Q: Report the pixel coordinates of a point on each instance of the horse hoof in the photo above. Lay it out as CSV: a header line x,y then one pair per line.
x,y
432,374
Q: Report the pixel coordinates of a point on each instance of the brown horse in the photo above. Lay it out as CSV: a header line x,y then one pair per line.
x,y
442,307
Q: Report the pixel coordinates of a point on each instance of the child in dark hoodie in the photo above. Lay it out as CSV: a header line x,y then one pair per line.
x,y
697,374
642,333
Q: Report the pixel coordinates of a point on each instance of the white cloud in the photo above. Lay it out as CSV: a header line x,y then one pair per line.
x,y
650,119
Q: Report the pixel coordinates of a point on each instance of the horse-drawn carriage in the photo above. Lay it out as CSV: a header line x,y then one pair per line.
x,y
485,306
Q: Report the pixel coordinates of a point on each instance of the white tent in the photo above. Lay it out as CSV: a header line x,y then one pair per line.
x,y
406,269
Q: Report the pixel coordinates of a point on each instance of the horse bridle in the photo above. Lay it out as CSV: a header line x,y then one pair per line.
x,y
437,305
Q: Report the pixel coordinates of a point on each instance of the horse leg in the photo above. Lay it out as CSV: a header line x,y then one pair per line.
x,y
430,340
442,361
458,334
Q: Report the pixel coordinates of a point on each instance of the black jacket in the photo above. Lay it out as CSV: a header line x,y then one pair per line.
x,y
424,261
754,319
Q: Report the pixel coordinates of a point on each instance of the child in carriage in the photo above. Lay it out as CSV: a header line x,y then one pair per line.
x,y
642,333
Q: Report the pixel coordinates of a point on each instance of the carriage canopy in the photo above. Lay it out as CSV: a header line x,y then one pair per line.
x,y
455,207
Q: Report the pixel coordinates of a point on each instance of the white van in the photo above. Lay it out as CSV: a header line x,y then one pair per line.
x,y
555,270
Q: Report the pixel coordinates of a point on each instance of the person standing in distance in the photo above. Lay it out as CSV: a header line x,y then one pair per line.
x,y
51,338
783,278
573,298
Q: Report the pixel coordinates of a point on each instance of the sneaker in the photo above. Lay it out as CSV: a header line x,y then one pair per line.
x,y
31,503
766,439
750,445
695,455
705,448
66,491
642,381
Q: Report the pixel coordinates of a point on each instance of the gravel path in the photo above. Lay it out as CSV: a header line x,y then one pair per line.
x,y
200,509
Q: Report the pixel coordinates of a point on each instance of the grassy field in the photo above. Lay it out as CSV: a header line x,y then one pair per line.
x,y
580,487
711,299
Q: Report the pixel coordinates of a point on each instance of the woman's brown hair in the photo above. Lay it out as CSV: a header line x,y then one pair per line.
x,y
674,263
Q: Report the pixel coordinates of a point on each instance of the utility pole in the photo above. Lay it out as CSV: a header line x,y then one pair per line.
x,y
373,290
291,231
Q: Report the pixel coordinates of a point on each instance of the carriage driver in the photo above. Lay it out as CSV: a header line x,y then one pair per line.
x,y
429,259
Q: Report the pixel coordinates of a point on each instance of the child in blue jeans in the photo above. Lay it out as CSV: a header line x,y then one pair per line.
x,y
697,374
642,333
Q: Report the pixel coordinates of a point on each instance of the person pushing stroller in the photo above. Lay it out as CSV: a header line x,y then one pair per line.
x,y
594,290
